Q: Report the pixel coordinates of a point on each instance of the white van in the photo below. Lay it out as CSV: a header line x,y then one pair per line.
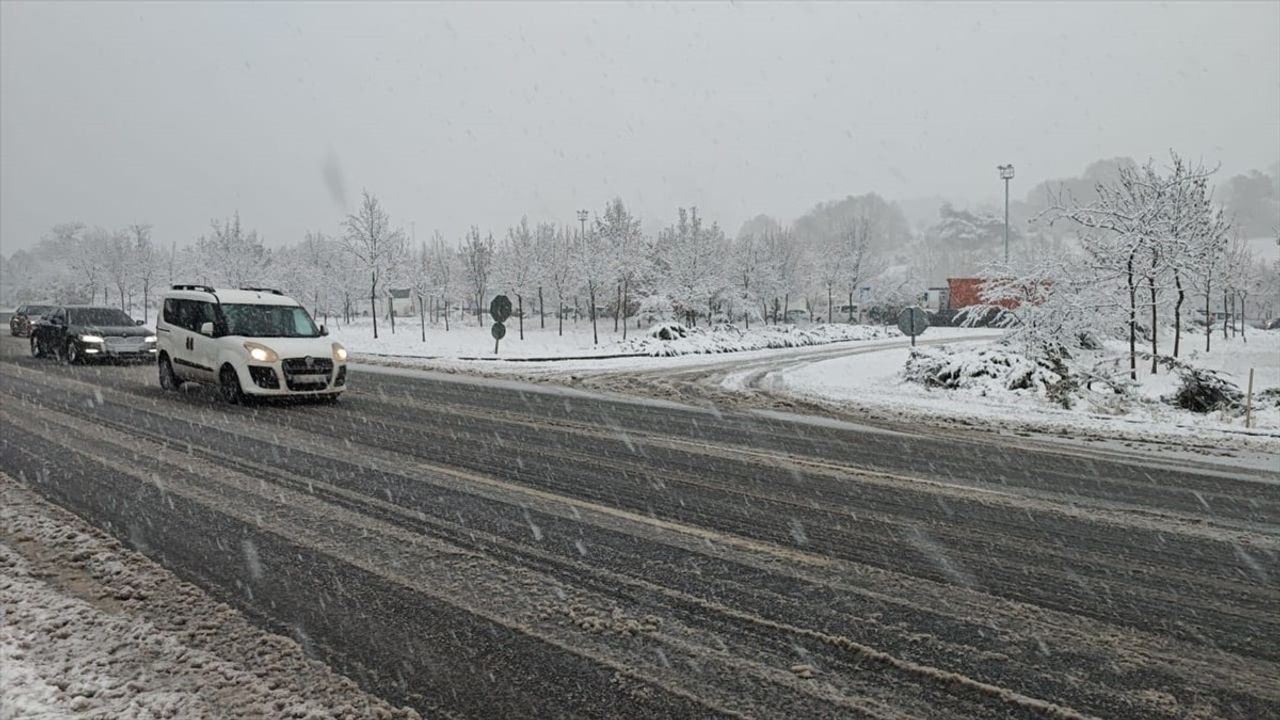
x,y
248,342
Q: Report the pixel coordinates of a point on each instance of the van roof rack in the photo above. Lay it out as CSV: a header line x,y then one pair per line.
x,y
273,291
198,288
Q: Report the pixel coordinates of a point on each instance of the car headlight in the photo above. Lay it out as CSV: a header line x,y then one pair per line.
x,y
261,353
339,353
91,338
150,338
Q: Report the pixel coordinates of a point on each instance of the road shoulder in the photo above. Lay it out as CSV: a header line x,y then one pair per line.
x,y
91,628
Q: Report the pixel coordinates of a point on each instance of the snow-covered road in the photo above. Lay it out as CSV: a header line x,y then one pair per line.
x,y
501,549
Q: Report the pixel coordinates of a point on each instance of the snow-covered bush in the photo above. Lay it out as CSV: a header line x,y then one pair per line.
x,y
668,331
669,339
983,368
1202,391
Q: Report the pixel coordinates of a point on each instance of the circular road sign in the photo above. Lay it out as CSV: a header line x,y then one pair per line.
x,y
913,321
500,308
498,331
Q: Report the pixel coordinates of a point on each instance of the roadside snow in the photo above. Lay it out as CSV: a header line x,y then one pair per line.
x,y
874,380
472,342
90,629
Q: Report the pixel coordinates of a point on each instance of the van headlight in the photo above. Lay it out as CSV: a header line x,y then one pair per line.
x,y
261,353
150,338
339,353
91,338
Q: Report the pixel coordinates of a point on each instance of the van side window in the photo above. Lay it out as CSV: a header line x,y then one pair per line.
x,y
171,313
202,312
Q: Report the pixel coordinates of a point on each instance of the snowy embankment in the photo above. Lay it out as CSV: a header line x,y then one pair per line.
x,y
90,629
472,342
995,387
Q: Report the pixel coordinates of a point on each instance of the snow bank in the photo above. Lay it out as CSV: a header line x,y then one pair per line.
x,y
671,339
668,339
985,382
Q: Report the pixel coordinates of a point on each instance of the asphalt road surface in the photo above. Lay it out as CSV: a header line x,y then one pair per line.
x,y
474,548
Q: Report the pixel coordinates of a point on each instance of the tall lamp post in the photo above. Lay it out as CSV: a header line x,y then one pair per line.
x,y
582,220
1006,174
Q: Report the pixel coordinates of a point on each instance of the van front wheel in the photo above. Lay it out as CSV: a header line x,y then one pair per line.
x,y
229,383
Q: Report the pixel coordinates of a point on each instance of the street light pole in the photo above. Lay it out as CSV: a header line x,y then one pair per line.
x,y
582,220
1006,174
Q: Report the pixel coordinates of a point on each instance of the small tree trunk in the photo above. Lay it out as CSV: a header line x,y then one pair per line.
x,y
446,315
373,302
520,301
542,316
1133,320
575,309
786,307
1226,316
391,312
595,335
625,299
146,299
1244,319
560,313
1177,314
617,307
422,316
850,305
830,316
1151,285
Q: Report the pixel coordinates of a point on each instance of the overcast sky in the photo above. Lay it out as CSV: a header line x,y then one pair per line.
x,y
175,113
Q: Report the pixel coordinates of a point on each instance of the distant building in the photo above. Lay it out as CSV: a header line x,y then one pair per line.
x,y
401,301
937,298
963,292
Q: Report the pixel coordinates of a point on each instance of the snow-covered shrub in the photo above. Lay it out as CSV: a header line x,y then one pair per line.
x,y
1269,398
1201,390
669,339
981,368
668,331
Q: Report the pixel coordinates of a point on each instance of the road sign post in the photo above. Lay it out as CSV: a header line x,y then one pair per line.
x,y
499,310
912,322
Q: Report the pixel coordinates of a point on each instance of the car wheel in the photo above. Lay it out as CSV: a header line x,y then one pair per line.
x,y
36,349
168,380
229,384
71,354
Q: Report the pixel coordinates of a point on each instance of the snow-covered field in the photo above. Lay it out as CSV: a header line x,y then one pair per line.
x,y
875,380
472,342
89,629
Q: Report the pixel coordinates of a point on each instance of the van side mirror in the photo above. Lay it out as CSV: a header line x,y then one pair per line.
x,y
137,322
206,329
324,331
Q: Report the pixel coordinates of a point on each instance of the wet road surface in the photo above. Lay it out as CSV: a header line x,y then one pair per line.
x,y
482,549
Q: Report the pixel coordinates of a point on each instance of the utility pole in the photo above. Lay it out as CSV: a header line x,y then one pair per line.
x,y
582,220
1006,174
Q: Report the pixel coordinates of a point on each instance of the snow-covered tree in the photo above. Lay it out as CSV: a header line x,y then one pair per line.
x,y
692,267
442,259
514,266
476,254
379,248
232,256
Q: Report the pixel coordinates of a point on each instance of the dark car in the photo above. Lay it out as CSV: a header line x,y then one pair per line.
x,y
25,317
78,333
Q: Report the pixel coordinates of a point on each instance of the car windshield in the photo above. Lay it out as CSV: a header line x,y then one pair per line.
x,y
98,316
268,321
38,310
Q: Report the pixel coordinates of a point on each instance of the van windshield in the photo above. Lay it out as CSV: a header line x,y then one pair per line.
x,y
268,321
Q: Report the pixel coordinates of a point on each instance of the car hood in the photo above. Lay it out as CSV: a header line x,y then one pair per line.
x,y
112,330
321,347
